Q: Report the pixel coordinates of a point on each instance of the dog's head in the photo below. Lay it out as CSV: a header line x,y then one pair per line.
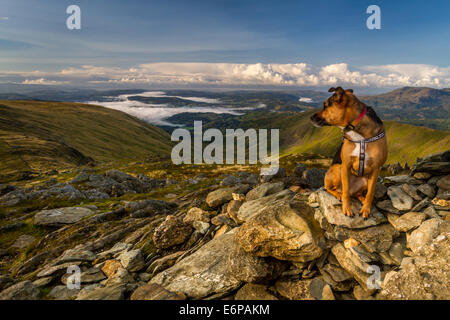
x,y
335,108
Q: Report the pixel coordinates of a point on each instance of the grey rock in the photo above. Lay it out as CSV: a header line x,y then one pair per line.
x,y
422,175
82,177
267,174
47,271
331,209
263,190
61,216
411,191
12,226
444,183
252,179
196,214
443,194
23,241
314,177
442,167
115,292
408,221
299,169
431,212
401,179
43,282
427,190
202,273
425,234
354,264
283,230
380,191
155,292
76,254
386,205
249,268
400,200
63,293
24,290
171,232
201,226
148,208
425,276
115,250
61,191
396,252
230,181
421,204
163,263
254,292
374,239
220,196
294,289
132,260
94,194
250,208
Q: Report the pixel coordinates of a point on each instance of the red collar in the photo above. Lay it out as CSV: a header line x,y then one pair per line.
x,y
351,126
361,115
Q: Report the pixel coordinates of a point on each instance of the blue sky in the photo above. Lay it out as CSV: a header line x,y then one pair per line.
x,y
414,42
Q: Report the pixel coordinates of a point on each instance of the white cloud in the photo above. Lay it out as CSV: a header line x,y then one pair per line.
x,y
297,74
44,82
4,18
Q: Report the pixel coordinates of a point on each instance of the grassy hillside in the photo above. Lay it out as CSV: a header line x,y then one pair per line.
x,y
39,136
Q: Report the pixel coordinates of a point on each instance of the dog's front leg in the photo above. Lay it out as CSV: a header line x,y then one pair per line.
x,y
345,172
365,210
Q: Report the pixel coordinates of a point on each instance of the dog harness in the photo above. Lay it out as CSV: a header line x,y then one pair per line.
x,y
362,143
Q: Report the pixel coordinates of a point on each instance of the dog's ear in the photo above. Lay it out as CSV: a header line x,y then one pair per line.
x,y
349,90
339,93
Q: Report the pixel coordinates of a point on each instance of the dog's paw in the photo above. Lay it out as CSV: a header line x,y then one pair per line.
x,y
365,211
347,210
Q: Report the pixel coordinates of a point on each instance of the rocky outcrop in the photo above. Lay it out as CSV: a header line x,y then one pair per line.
x,y
251,208
171,232
223,195
283,230
330,208
235,239
24,290
203,273
61,216
424,276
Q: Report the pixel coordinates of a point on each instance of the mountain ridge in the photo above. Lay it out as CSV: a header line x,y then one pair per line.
x,y
41,136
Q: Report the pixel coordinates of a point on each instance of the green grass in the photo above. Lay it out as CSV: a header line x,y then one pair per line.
x,y
40,136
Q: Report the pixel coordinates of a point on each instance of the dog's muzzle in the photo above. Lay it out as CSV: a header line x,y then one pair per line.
x,y
318,121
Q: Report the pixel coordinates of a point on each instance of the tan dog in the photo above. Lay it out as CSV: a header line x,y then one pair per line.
x,y
357,164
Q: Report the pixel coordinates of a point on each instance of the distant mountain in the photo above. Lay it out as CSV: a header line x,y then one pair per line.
x,y
414,105
422,106
40,136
